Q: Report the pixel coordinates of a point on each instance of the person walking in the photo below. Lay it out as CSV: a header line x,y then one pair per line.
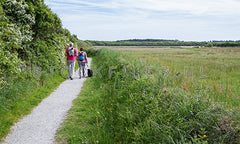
x,y
71,53
82,60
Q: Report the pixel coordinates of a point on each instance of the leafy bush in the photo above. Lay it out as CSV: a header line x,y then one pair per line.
x,y
91,52
31,34
17,12
32,43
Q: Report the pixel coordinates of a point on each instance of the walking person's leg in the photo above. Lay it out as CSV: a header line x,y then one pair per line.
x,y
69,68
80,69
83,69
72,68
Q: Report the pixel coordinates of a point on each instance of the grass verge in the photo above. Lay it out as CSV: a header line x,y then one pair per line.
x,y
81,125
123,104
20,97
83,120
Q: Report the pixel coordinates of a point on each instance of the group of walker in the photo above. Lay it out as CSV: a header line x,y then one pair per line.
x,y
81,56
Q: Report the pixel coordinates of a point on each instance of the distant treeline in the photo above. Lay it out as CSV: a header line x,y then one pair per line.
x,y
162,42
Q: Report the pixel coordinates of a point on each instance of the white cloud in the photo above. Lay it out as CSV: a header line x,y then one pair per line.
x,y
199,7
171,19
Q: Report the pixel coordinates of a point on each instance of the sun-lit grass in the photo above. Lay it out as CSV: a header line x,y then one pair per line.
x,y
129,104
215,69
20,97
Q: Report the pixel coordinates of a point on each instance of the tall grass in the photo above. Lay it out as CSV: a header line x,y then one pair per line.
x,y
130,104
215,69
19,97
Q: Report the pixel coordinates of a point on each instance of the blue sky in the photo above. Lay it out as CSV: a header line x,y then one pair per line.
x,y
187,20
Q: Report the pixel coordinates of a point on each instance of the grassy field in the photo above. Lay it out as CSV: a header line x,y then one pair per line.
x,y
136,96
214,69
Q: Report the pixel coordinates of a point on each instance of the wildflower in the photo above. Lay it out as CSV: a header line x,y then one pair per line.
x,y
204,136
98,113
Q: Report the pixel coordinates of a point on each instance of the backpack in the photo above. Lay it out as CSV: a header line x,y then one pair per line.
x,y
71,52
81,56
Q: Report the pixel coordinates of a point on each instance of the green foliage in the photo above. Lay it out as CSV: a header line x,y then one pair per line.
x,y
2,2
91,52
35,2
32,41
10,40
133,107
209,45
146,109
19,97
47,23
17,12
160,42
31,34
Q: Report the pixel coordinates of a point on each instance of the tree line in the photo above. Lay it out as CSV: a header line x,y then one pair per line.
x,y
162,42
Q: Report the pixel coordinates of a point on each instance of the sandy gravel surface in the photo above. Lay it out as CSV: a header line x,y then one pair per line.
x,y
40,126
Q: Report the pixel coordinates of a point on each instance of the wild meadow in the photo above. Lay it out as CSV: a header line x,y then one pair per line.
x,y
183,95
216,70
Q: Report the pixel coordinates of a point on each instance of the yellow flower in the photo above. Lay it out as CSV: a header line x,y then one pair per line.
x,y
204,136
97,112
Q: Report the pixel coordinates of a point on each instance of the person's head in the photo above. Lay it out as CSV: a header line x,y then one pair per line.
x,y
81,49
71,44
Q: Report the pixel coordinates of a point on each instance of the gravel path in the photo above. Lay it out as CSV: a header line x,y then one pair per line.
x,y
41,125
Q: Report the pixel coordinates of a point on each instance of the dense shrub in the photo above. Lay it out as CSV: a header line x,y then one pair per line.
x,y
31,35
91,52
32,48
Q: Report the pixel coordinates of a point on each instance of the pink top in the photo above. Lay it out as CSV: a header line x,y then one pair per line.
x,y
71,57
